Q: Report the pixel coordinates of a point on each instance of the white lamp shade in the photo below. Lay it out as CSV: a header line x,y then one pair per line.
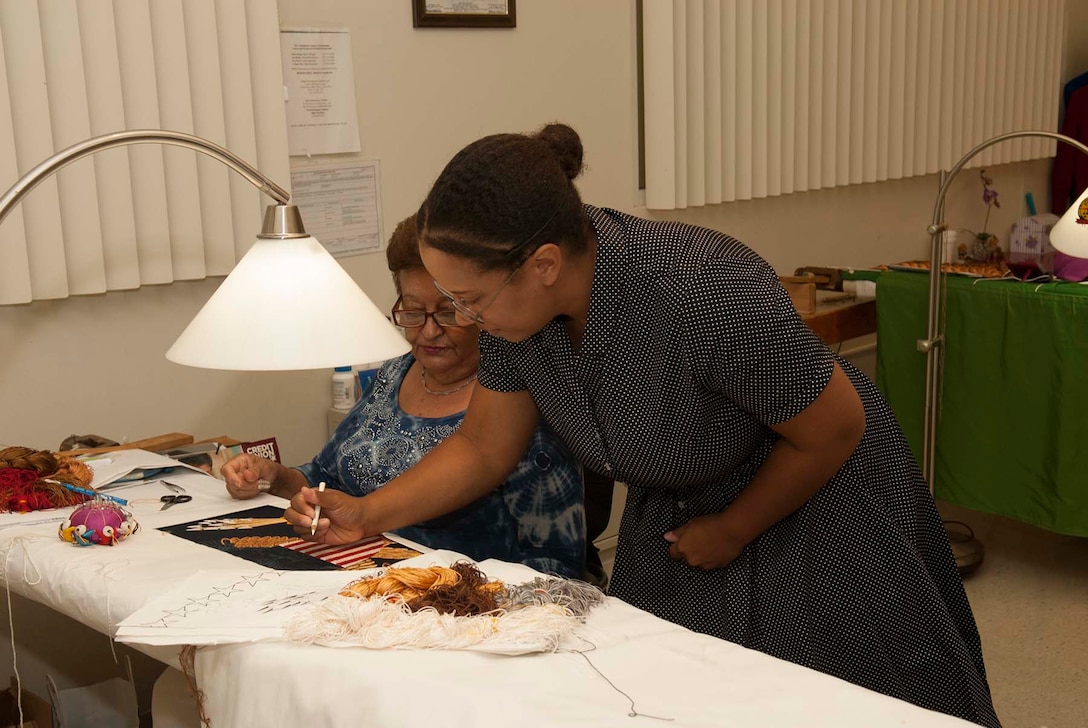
x,y
287,305
1070,234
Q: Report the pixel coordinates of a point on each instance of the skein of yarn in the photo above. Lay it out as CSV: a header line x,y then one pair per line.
x,y
30,480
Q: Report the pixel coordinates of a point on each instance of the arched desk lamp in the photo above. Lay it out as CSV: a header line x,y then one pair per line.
x,y
301,309
1069,235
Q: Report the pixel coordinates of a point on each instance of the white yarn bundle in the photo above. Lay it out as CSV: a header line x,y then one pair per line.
x,y
389,624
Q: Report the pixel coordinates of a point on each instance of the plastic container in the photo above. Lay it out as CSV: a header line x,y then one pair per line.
x,y
343,388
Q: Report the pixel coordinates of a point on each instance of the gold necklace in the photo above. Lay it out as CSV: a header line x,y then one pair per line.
x,y
443,393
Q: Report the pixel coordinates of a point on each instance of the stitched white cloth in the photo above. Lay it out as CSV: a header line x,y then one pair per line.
x,y
667,670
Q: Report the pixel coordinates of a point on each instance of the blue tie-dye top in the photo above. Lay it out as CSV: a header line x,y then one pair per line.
x,y
536,517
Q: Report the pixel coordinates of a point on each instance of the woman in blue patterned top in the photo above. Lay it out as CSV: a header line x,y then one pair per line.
x,y
535,517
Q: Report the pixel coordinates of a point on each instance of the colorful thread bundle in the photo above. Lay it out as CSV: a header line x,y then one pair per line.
x,y
577,597
30,480
448,608
459,590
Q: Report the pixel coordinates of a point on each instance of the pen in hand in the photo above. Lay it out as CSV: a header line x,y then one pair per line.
x,y
317,510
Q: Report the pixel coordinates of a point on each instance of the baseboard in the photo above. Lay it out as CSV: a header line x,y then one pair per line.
x,y
606,542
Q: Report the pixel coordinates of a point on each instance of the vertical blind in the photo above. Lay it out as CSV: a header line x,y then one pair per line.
x,y
75,69
758,98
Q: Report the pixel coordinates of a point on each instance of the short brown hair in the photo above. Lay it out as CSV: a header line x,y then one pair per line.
x,y
402,253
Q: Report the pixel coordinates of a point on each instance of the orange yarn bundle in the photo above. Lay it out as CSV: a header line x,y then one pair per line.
x,y
30,479
460,590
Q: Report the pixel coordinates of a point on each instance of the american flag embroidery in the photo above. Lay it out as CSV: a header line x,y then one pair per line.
x,y
357,555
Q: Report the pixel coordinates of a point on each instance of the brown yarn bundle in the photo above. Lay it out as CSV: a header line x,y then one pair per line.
x,y
30,479
472,594
40,461
73,472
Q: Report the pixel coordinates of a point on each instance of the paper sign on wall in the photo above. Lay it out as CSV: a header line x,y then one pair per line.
x,y
341,205
320,85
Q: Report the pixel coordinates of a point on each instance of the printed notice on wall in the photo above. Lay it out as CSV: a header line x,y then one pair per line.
x,y
468,7
320,87
341,205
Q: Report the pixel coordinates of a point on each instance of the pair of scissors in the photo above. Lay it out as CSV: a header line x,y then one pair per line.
x,y
169,500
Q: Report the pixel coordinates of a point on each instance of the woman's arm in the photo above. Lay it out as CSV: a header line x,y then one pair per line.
x,y
812,446
465,466
288,482
243,473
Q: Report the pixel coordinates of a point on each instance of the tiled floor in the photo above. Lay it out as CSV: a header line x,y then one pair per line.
x,y
1030,598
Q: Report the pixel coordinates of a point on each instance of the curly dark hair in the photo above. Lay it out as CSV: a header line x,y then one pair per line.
x,y
503,196
402,253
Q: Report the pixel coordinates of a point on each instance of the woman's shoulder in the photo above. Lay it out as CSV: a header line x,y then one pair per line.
x,y
387,379
665,249
395,368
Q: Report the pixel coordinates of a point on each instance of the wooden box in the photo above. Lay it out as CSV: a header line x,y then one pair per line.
x,y
802,291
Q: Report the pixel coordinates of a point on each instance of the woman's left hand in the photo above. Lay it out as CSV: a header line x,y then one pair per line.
x,y
341,516
705,542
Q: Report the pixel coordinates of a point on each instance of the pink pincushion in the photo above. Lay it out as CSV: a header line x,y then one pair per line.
x,y
98,522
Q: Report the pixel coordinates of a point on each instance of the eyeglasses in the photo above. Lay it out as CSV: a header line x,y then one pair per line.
x,y
462,309
476,317
413,318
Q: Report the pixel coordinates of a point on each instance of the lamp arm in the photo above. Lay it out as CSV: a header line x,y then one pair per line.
x,y
35,176
934,339
938,207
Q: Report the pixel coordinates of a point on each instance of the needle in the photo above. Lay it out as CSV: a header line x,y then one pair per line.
x,y
317,511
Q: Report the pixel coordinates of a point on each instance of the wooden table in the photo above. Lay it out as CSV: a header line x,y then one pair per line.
x,y
841,316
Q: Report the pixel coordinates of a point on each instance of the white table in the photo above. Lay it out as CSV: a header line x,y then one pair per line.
x,y
668,671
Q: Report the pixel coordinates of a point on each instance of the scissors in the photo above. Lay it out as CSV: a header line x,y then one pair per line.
x,y
169,500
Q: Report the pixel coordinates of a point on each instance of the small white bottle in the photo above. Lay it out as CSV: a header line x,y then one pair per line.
x,y
343,388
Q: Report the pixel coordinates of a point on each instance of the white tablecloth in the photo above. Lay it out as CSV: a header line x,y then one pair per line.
x,y
668,672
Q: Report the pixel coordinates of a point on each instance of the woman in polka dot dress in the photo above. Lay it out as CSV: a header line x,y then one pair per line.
x,y
773,500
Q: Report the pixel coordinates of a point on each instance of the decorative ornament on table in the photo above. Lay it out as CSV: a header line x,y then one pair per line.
x,y
98,522
1068,267
1030,253
987,248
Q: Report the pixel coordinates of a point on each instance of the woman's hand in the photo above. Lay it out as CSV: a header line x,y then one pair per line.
x,y
243,474
705,542
340,521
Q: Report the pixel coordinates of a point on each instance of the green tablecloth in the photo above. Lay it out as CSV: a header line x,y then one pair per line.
x,y
1012,437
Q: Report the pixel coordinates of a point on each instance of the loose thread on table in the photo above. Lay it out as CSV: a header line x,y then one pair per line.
x,y
104,571
634,711
187,660
27,560
11,630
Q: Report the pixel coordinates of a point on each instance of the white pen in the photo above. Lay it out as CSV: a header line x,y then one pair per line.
x,y
317,510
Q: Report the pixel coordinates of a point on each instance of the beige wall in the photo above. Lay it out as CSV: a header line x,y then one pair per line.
x,y
96,364
1075,60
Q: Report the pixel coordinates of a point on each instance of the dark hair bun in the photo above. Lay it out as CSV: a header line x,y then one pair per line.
x,y
565,145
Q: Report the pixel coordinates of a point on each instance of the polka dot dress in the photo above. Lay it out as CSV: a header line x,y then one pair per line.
x,y
691,351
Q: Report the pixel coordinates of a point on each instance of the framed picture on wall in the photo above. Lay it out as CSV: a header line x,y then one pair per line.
x,y
463,14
